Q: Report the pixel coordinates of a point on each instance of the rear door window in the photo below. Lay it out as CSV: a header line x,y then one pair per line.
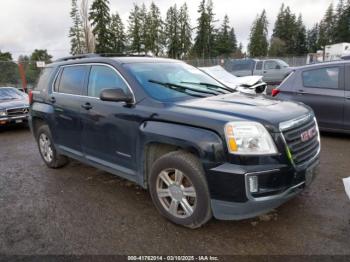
x,y
44,79
259,65
270,65
104,77
72,79
322,78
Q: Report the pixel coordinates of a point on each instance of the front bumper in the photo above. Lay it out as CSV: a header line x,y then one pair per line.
x,y
13,120
252,204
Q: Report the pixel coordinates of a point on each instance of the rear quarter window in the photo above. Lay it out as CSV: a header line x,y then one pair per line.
x,y
327,77
44,79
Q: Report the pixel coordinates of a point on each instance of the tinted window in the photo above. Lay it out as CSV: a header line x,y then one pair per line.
x,y
270,65
259,65
72,79
103,77
239,65
44,78
322,78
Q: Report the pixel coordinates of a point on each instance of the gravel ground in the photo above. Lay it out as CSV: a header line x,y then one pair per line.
x,y
82,210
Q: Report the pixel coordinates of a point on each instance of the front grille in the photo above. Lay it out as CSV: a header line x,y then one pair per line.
x,y
13,112
302,149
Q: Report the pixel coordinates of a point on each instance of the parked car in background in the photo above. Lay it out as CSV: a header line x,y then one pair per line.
x,y
272,70
325,87
246,84
14,106
200,148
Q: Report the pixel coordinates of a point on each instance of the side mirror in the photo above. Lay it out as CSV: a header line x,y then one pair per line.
x,y
115,95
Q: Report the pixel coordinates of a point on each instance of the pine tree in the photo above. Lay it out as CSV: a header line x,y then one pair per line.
x,y
343,22
154,38
134,29
226,43
258,44
300,41
76,31
117,34
143,28
287,30
327,28
205,37
172,31
185,31
100,20
312,39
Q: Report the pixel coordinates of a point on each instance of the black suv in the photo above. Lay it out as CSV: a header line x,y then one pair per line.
x,y
200,148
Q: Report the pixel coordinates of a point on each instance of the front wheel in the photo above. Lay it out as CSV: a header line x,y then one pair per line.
x,y
179,189
47,149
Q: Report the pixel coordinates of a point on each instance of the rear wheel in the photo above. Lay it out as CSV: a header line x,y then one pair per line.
x,y
47,149
179,189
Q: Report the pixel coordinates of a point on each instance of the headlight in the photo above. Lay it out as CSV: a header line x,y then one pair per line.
x,y
249,138
3,113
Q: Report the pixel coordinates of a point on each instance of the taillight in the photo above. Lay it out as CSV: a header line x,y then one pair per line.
x,y
275,92
30,96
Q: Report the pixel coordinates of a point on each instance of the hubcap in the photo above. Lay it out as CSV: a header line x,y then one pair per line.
x,y
45,147
176,193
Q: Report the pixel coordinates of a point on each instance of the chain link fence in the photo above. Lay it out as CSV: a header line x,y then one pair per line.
x,y
19,75
292,61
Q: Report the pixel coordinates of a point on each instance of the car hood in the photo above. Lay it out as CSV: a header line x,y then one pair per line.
x,y
244,107
5,104
249,80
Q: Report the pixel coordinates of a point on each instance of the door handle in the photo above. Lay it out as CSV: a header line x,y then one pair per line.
x,y
348,97
265,72
52,99
301,92
87,106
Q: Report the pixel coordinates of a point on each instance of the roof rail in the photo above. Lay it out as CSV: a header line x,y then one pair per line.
x,y
92,55
77,57
125,54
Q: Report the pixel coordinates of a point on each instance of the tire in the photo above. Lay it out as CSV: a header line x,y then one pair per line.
x,y
48,151
186,173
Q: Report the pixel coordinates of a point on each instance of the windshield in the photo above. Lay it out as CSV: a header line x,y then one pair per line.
x,y
283,64
10,94
171,81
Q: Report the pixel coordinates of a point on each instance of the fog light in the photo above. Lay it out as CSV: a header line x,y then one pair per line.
x,y
253,184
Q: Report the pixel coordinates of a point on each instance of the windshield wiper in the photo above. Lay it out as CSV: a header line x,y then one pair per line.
x,y
182,88
210,85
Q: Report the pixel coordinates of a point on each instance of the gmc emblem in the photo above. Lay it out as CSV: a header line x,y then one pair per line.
x,y
308,134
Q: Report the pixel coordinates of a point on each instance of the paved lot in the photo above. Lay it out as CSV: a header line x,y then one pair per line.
x,y
81,210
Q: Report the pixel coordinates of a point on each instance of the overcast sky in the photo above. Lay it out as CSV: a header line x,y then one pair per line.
x,y
44,24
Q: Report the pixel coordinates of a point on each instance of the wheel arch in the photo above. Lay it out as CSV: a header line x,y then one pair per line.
x,y
160,138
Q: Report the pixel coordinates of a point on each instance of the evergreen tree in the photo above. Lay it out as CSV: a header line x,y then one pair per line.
x,y
143,28
172,31
300,40
76,31
312,39
286,29
134,29
185,31
327,28
117,34
100,20
343,23
154,38
205,30
258,44
226,43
